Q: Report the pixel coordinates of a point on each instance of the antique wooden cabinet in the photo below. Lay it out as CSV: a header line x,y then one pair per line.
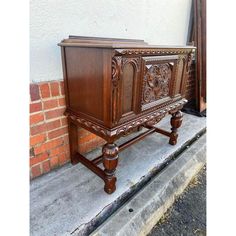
x,y
114,87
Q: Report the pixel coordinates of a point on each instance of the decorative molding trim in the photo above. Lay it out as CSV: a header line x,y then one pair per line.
x,y
128,127
158,51
154,118
96,128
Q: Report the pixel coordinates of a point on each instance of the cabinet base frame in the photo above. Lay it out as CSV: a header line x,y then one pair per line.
x,y
109,158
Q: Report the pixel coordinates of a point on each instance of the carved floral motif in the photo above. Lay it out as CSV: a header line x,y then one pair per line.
x,y
156,82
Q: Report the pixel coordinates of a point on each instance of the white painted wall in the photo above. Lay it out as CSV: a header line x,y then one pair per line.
x,y
155,21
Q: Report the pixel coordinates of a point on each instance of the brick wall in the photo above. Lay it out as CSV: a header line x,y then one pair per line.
x,y
49,144
190,86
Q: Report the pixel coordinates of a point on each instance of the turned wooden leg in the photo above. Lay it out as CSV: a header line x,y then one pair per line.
x,y
110,161
176,121
73,138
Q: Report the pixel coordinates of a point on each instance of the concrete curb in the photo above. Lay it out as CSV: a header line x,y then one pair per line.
x,y
140,214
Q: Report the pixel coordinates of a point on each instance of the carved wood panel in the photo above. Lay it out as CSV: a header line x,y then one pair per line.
x,y
156,82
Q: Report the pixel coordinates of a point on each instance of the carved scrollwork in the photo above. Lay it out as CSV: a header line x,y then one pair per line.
x,y
116,66
156,82
98,129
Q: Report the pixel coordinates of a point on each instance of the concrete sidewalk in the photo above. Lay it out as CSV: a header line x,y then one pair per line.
x,y
71,200
138,216
187,216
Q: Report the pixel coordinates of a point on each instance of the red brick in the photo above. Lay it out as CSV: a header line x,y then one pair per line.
x,y
62,101
100,141
49,145
50,104
58,132
46,166
36,118
62,88
58,150
81,149
64,121
66,139
36,171
34,92
82,132
40,138
87,138
53,124
88,146
44,89
91,145
54,162
38,129
54,113
63,158
34,107
39,158
54,88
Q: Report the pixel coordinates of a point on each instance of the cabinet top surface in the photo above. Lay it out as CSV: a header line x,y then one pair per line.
x,y
116,43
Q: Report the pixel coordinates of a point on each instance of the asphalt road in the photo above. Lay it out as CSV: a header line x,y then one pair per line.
x,y
187,217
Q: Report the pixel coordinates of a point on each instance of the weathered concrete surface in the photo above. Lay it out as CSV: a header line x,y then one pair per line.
x,y
141,213
67,200
187,216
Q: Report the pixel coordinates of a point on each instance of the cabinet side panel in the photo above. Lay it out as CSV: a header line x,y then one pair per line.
x,y
85,80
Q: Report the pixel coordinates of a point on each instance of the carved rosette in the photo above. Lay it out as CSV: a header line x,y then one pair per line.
x,y
156,82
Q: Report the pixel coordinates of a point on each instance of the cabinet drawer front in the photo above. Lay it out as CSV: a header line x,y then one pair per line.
x,y
158,79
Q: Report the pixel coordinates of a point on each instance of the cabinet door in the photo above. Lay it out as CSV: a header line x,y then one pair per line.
x,y
161,78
